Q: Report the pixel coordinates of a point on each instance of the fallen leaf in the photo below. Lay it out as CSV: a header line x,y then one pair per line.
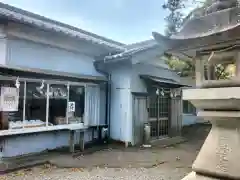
x,y
19,173
77,170
47,166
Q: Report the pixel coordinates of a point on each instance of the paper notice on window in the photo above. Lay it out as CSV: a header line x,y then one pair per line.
x,y
9,99
71,106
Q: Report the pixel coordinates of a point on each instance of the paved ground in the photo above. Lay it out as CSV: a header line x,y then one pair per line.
x,y
156,163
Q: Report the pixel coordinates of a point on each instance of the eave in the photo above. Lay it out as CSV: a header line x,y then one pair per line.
x,y
217,30
136,49
21,16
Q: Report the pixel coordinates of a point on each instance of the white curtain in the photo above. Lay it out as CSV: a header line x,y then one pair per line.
x,y
92,105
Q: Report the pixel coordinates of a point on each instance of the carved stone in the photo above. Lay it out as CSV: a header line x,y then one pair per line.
x,y
219,156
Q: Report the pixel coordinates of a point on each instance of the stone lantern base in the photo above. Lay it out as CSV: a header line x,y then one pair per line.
x,y
219,157
194,176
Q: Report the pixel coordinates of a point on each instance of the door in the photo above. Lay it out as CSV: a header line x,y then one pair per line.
x,y
159,113
140,116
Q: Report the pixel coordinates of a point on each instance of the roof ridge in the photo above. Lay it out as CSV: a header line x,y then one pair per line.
x,y
58,23
140,44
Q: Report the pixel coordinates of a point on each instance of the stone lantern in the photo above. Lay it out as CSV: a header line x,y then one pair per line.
x,y
211,40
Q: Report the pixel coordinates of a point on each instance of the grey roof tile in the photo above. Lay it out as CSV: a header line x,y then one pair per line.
x,y
135,48
22,16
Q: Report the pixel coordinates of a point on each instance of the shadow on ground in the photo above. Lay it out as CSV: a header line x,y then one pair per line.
x,y
175,156
171,162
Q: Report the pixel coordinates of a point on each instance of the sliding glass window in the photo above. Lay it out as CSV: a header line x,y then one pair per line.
x,y
58,99
76,104
36,100
29,104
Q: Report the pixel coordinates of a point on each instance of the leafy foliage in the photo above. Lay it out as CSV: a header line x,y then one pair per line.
x,y
175,17
186,68
182,68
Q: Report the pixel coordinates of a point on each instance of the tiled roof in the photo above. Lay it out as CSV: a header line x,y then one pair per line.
x,y
136,48
207,25
201,32
140,44
22,16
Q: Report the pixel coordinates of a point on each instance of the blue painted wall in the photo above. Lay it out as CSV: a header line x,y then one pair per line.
x,y
125,80
28,54
188,119
35,55
138,85
38,142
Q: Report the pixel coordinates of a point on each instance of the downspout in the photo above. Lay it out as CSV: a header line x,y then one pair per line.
x,y
108,95
108,103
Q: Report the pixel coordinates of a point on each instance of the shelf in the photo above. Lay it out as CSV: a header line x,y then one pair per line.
x,y
11,132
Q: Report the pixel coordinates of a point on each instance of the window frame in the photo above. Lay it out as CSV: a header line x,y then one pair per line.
x,y
193,110
45,128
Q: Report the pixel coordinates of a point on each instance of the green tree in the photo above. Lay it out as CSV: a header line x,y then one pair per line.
x,y
186,68
182,68
175,17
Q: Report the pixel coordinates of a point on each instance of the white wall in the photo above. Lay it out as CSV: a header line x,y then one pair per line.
x,y
3,46
121,104
38,142
35,55
138,85
189,119
125,80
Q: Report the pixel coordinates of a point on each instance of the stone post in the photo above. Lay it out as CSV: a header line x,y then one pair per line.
x,y
238,64
199,71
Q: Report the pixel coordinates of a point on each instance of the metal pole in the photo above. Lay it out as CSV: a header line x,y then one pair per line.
x,y
68,93
158,109
47,106
24,102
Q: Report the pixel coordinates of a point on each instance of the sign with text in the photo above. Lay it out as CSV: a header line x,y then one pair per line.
x,y
71,106
9,99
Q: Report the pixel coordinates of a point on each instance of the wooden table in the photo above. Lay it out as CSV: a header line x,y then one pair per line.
x,y
73,131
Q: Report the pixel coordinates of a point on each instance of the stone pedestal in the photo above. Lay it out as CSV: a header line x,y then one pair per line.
x,y
195,176
219,157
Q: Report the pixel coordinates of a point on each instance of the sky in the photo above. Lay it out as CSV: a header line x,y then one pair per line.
x,y
126,21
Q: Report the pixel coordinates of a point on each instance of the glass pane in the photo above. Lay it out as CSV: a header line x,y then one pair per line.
x,y
36,101
76,104
153,107
163,106
13,119
188,108
58,97
185,107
